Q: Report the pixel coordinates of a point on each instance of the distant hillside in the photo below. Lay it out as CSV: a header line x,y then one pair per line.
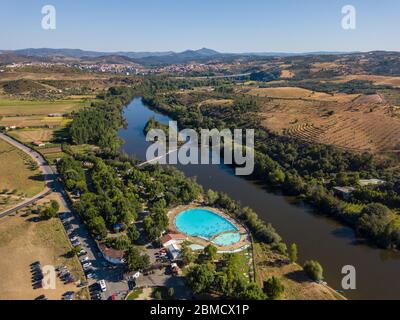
x,y
303,65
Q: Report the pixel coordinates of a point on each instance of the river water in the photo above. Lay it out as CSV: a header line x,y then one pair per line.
x,y
317,237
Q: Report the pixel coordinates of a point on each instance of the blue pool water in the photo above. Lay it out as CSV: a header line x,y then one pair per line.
x,y
226,239
202,223
196,247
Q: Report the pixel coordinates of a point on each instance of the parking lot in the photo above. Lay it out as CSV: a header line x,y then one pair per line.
x,y
95,266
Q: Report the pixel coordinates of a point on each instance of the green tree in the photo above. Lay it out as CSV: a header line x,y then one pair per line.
x,y
314,270
54,206
252,292
273,288
81,186
293,253
74,251
157,295
133,233
212,197
98,226
187,254
201,277
211,252
375,222
277,177
120,243
170,293
135,260
50,211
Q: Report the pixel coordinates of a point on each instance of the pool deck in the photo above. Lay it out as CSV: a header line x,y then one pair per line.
x,y
244,242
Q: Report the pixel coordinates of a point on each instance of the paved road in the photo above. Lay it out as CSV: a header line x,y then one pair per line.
x,y
74,226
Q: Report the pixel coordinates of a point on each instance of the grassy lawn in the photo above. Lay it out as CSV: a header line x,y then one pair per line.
x,y
16,173
134,294
24,241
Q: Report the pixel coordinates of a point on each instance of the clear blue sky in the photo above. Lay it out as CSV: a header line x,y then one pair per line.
x,y
224,25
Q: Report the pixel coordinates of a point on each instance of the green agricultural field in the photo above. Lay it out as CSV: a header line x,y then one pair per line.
x,y
9,107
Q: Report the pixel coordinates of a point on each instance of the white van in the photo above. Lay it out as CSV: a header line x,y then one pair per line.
x,y
103,285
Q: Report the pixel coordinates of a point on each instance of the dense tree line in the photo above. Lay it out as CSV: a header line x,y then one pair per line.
x,y
348,87
225,278
99,124
118,189
265,76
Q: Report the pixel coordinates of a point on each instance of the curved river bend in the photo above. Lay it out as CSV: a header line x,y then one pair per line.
x,y
317,237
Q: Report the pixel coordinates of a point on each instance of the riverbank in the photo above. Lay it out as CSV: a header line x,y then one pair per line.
x,y
317,237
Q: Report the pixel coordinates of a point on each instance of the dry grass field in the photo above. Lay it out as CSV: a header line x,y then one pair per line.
x,y
324,66
361,131
33,121
297,285
349,121
17,175
376,80
31,135
26,75
287,74
11,107
216,102
23,241
301,94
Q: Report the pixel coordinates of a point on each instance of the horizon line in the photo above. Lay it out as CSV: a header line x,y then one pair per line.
x,y
220,52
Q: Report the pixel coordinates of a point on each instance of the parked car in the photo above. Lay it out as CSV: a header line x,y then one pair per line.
x,y
70,279
85,259
68,296
76,244
87,265
62,270
90,275
83,284
97,297
60,267
103,285
82,253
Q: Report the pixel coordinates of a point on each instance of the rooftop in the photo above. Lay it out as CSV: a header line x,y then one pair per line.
x,y
173,236
344,189
110,252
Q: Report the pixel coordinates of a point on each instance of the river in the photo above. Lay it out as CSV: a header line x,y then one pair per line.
x,y
317,237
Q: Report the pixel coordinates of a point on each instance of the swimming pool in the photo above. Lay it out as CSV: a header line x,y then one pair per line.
x,y
227,239
208,225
